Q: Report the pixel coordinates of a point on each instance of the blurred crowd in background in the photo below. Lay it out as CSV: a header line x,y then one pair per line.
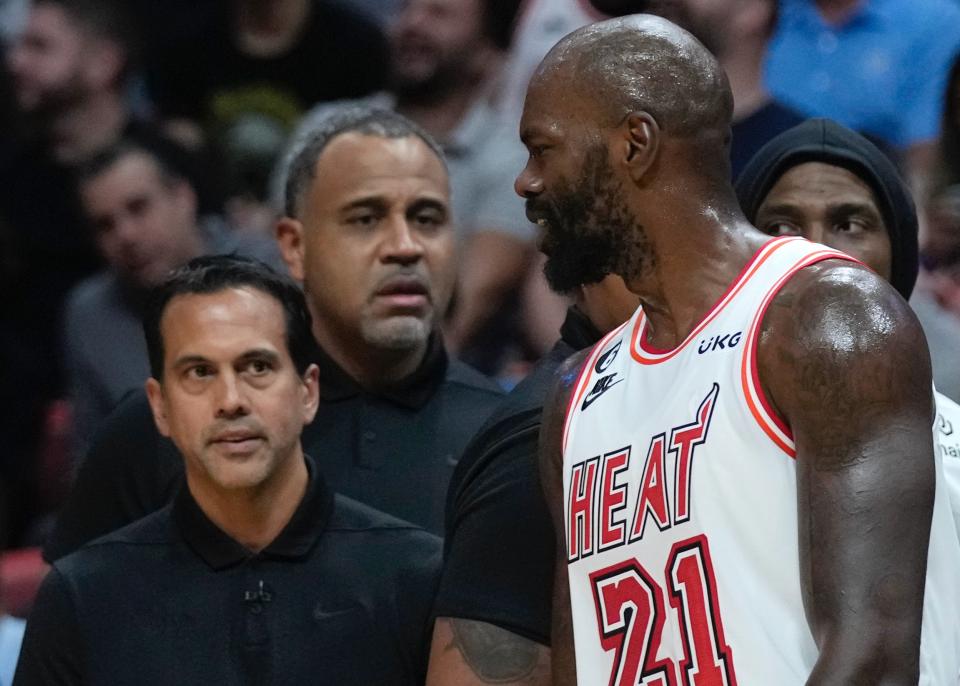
x,y
213,96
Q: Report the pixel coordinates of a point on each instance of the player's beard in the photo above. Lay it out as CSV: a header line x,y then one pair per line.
x,y
590,231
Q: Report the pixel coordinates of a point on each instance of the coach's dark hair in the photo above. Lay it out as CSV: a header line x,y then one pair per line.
x,y
173,162
364,120
215,273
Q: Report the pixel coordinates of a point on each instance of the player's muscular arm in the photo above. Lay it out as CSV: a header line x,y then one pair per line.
x,y
551,476
845,362
470,653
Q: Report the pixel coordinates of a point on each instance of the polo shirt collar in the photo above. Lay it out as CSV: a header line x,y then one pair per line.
x,y
295,541
412,392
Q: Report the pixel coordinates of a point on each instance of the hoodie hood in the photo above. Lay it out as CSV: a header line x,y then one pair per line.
x,y
823,140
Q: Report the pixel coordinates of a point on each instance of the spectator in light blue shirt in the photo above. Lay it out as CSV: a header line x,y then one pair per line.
x,y
876,66
11,636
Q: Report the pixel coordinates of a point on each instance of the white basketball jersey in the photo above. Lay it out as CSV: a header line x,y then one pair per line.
x,y
680,509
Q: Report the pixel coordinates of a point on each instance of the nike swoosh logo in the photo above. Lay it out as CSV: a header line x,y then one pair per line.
x,y
588,401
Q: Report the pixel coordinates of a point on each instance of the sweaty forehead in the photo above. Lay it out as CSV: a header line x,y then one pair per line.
x,y
355,164
555,107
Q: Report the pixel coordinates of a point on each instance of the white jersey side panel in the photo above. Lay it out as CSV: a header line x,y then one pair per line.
x,y
947,435
940,640
680,504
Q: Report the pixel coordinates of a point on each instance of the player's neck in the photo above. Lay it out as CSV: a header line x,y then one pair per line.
x,y
688,276
255,517
90,125
607,304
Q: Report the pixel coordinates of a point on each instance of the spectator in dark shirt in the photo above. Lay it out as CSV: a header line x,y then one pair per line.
x,y
242,82
493,605
256,573
69,72
369,235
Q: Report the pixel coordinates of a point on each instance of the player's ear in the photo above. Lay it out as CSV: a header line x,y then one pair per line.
x,y
640,143
155,396
289,234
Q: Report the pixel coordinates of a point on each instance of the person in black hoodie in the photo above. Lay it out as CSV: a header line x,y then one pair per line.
x,y
829,184
821,147
821,157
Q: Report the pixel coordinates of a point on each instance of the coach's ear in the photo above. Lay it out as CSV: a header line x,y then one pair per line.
x,y
289,234
640,144
158,406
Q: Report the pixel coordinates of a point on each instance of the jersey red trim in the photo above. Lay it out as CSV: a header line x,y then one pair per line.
x,y
644,353
769,420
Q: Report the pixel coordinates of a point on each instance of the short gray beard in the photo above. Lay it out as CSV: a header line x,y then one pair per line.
x,y
396,333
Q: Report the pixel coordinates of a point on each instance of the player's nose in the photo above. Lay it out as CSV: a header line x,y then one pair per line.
x,y
528,184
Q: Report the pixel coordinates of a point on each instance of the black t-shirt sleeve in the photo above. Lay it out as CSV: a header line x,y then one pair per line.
x,y
129,472
498,563
51,653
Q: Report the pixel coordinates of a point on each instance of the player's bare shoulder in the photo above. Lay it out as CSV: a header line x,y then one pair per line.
x,y
839,344
837,309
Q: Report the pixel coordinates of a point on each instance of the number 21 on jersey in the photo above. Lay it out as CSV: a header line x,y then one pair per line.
x,y
631,613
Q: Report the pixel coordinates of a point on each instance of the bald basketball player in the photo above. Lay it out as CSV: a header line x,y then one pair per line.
x,y
742,476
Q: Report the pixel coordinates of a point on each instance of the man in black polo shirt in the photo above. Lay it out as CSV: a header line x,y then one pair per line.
x,y
369,234
255,573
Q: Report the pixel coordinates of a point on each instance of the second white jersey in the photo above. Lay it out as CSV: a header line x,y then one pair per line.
x,y
948,437
680,509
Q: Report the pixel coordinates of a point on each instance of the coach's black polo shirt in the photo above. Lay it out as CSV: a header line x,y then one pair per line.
x,y
342,596
394,450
